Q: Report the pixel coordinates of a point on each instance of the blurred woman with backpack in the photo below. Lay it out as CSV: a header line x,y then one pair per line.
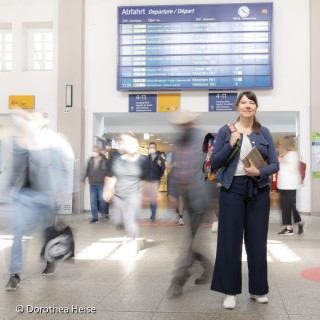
x,y
288,181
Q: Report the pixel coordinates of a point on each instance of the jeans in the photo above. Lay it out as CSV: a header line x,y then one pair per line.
x,y
31,209
151,189
97,202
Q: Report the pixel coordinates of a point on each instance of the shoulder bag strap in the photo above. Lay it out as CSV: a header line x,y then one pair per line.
x,y
237,146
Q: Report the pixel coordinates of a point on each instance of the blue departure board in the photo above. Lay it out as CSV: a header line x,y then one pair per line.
x,y
195,47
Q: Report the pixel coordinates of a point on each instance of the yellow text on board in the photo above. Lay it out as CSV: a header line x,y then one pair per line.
x,y
23,102
169,102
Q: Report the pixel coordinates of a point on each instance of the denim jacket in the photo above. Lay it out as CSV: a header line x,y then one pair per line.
x,y
222,149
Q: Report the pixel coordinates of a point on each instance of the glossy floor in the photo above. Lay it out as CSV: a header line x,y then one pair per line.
x,y
107,276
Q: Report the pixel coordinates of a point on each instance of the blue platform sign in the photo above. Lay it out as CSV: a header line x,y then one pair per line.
x,y
142,103
222,101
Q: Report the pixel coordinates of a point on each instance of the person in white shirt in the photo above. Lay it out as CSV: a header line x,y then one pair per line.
x,y
288,181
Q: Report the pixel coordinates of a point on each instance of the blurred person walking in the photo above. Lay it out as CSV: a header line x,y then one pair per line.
x,y
155,168
117,145
124,185
244,204
288,181
187,179
39,179
173,194
96,171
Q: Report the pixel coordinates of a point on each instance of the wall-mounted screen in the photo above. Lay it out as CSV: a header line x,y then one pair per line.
x,y
195,47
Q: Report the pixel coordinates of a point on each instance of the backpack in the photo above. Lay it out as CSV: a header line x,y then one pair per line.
x,y
208,146
302,168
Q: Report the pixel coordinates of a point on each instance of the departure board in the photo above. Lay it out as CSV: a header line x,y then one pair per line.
x,y
195,47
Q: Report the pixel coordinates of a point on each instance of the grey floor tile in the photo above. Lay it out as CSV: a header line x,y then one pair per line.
x,y
54,316
27,293
105,315
99,315
302,307
135,288
297,292
78,298
134,298
304,317
186,316
249,306
92,288
9,313
248,316
195,299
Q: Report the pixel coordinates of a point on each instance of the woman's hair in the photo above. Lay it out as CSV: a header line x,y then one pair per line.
x,y
256,126
288,143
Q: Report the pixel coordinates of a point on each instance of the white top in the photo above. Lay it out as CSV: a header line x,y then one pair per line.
x,y
245,149
289,177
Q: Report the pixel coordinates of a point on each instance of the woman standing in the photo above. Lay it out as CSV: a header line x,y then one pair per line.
x,y
288,181
244,204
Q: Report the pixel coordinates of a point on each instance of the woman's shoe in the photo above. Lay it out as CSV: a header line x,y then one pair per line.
x,y
259,299
229,302
214,227
286,232
181,223
302,227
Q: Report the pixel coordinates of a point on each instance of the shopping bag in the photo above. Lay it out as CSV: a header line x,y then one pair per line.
x,y
59,244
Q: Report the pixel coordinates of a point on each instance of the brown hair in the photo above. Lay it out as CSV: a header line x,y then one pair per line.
x,y
256,126
288,143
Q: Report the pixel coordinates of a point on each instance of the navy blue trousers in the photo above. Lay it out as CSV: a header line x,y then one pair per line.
x,y
243,213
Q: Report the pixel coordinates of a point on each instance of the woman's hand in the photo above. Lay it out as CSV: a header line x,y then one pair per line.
x,y
234,137
252,171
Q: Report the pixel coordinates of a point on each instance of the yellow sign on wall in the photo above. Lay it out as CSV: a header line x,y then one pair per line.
x,y
23,102
169,102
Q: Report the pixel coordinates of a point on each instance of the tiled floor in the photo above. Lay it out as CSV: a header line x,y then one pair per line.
x,y
124,287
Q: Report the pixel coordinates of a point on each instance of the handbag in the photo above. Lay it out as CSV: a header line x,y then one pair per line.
x,y
302,170
208,146
59,244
